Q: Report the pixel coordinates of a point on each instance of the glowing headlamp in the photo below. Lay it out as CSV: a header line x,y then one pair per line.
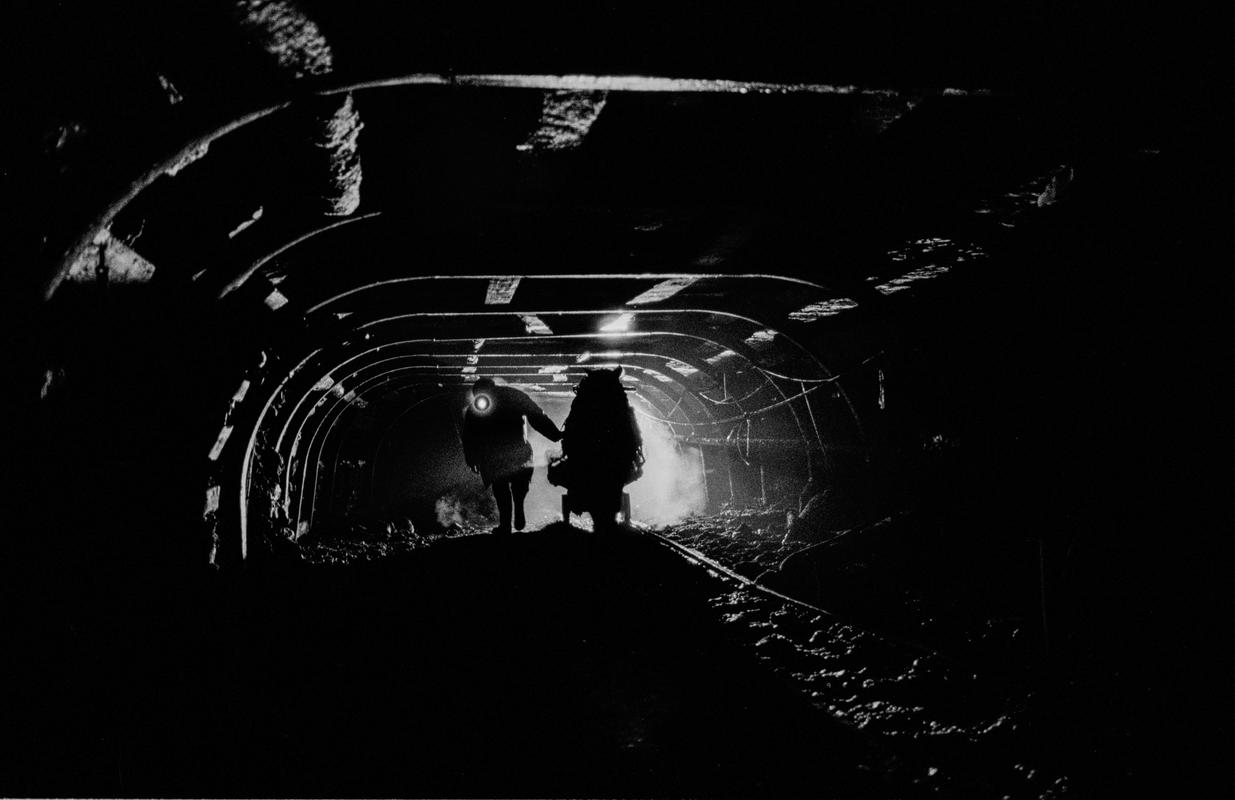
x,y
482,403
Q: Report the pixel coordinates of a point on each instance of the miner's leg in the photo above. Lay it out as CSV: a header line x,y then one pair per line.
x,y
501,493
519,484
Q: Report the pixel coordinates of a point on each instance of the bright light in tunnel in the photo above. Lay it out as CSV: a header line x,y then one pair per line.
x,y
604,354
670,489
482,403
672,484
535,324
618,324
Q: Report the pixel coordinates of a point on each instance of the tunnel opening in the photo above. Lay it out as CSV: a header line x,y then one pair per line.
x,y
886,330
747,415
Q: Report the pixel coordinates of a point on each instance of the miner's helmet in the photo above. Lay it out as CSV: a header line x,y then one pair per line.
x,y
482,394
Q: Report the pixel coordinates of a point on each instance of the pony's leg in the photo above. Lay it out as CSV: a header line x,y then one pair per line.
x,y
605,508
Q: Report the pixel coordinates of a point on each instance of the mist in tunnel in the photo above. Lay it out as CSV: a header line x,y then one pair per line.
x,y
672,486
420,472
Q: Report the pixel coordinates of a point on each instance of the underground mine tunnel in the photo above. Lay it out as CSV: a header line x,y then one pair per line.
x,y
894,300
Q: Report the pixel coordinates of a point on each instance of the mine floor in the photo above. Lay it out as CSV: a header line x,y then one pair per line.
x,y
554,663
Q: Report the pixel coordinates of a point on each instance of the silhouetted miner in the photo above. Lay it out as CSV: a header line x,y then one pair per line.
x,y
495,445
602,447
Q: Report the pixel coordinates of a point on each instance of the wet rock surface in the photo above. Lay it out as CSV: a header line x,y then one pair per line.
x,y
949,721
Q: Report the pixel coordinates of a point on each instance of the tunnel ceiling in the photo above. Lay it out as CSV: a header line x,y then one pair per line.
x,y
675,208
356,203
812,158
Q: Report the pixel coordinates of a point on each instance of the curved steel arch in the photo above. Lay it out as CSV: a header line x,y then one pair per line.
x,y
374,347
342,379
290,461
310,463
729,344
248,272
340,405
385,284
303,364
373,382
210,131
733,345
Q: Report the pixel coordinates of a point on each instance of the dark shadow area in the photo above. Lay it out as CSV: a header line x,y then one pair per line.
x,y
553,663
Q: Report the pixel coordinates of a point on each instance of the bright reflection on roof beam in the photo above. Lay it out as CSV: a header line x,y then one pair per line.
x,y
220,442
824,308
618,324
646,83
501,290
681,368
761,338
276,300
536,325
663,290
922,273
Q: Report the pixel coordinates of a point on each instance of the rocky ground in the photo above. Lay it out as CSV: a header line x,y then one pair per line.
x,y
946,685
959,703
939,726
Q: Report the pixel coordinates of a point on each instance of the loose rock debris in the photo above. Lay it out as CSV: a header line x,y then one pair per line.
x,y
941,728
946,728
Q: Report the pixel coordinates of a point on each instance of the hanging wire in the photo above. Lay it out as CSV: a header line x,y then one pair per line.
x,y
734,438
665,420
813,422
676,405
765,409
731,401
816,385
829,379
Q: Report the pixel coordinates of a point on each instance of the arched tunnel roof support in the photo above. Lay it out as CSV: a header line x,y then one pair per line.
x,y
307,465
701,366
197,135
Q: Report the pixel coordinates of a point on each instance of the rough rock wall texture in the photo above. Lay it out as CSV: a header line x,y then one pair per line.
x,y
300,49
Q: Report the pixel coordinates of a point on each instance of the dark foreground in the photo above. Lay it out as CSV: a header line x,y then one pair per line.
x,y
549,664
